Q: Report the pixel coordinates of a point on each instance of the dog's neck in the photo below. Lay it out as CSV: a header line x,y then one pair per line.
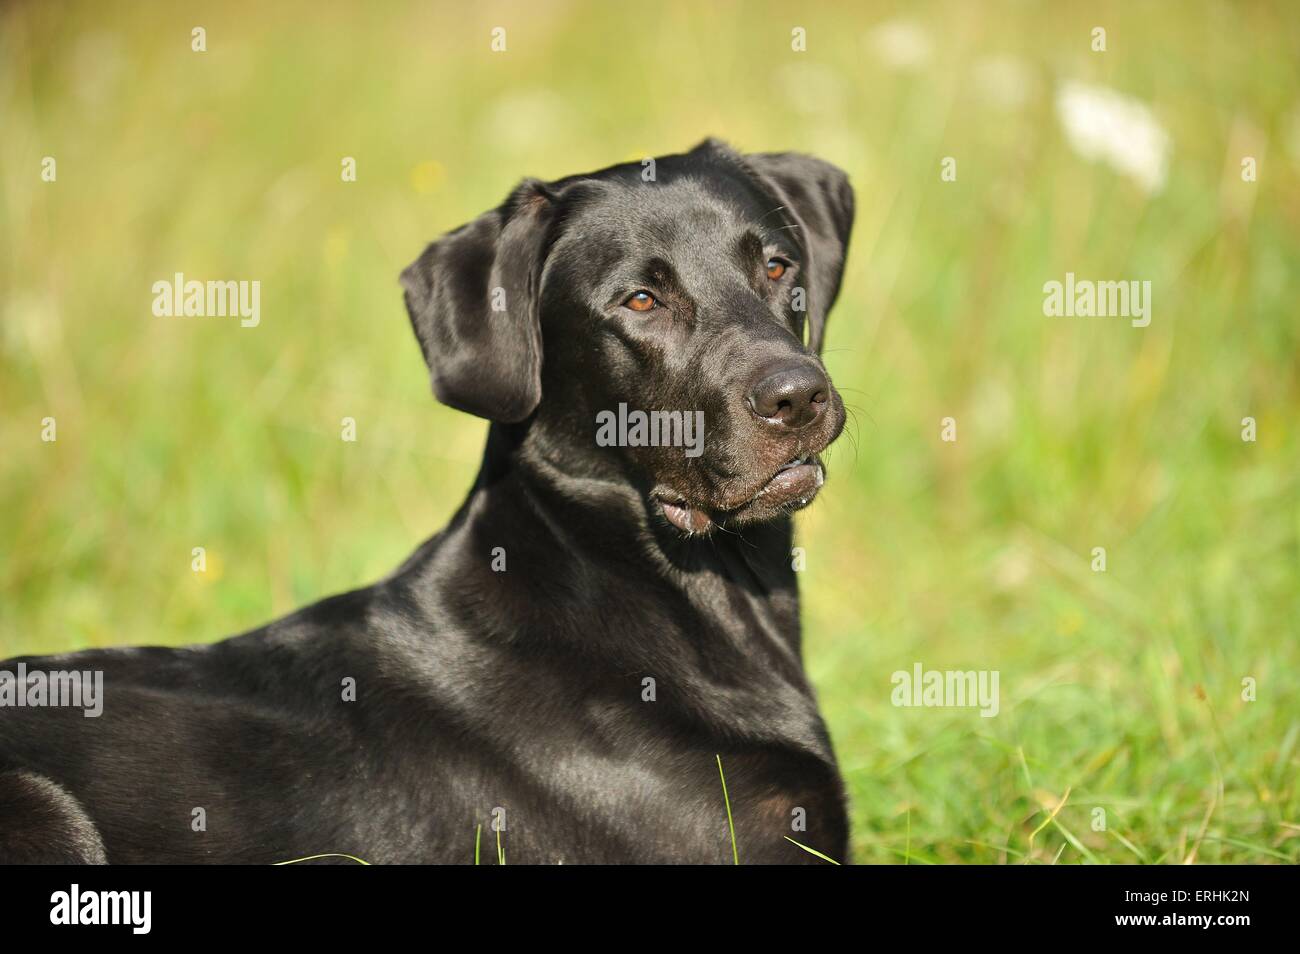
x,y
579,562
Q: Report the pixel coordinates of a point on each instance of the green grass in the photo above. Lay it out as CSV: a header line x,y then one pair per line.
x,y
1122,688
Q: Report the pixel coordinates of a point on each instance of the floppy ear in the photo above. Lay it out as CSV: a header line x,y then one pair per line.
x,y
472,297
819,199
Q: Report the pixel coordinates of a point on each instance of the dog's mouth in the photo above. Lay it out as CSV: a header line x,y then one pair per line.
x,y
791,488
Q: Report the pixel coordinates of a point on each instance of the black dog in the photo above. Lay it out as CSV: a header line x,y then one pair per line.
x,y
566,661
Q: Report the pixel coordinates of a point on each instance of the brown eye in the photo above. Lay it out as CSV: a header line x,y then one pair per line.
x,y
775,268
641,301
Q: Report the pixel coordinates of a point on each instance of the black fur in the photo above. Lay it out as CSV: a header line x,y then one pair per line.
x,y
521,690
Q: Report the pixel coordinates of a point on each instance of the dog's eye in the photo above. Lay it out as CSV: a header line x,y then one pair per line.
x,y
776,268
640,301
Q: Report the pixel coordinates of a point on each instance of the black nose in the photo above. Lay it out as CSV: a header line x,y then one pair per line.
x,y
793,395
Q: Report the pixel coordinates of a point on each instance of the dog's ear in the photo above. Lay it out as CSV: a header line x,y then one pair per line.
x,y
819,199
472,297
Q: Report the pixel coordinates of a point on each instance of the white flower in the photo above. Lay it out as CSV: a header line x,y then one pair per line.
x,y
1104,125
900,44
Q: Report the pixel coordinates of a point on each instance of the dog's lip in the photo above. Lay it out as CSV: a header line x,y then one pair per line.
x,y
797,480
685,517
793,485
793,462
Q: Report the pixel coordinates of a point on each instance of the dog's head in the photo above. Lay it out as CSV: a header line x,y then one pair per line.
x,y
619,310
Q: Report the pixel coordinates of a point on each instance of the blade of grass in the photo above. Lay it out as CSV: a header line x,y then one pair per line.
x,y
1050,818
731,826
811,851
326,855
1239,843
907,855
1131,847
1069,836
1002,848
913,859
1200,835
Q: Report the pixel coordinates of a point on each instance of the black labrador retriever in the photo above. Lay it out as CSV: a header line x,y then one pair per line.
x,y
563,667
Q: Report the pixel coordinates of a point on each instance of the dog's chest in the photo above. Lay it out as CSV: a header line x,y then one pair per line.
x,y
606,787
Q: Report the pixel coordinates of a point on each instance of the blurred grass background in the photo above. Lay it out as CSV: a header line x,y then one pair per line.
x,y
1121,688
